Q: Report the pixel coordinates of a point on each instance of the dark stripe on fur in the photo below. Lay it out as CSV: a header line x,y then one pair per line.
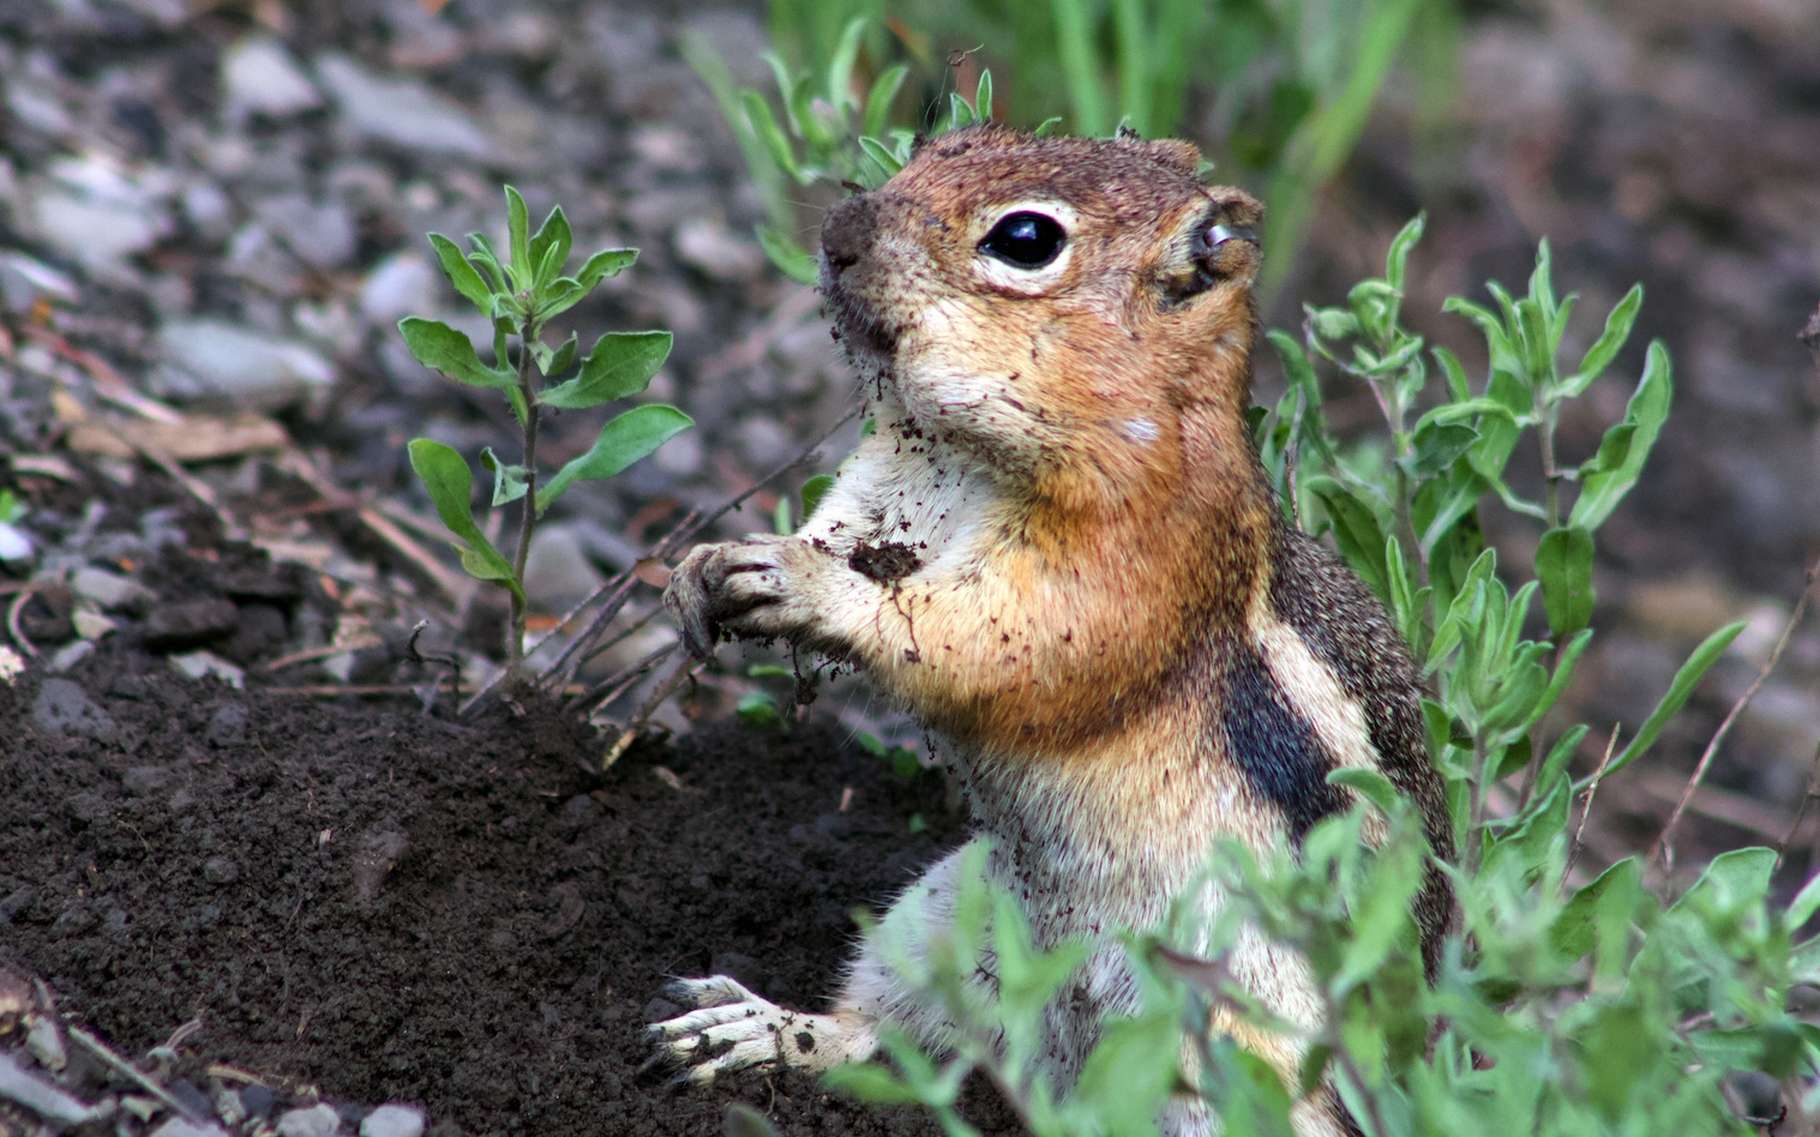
x,y
1283,761
1348,630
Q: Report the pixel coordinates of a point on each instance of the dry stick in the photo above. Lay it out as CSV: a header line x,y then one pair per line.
x,y
655,699
1712,747
13,627
1592,791
614,686
1813,789
101,1051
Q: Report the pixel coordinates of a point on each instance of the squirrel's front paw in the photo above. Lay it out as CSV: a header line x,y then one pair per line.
x,y
735,1029
761,586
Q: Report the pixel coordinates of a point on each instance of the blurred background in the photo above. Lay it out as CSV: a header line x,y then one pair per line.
x,y
220,206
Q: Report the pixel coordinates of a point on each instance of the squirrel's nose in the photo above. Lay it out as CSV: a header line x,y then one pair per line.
x,y
846,231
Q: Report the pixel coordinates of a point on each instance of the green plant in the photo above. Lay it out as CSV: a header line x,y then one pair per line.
x,y
1288,87
1562,1005
521,294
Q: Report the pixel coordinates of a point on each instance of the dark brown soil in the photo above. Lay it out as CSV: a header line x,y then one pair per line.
x,y
392,906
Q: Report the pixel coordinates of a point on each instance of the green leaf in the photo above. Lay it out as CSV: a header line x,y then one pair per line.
x,y
1805,904
1438,445
445,475
623,441
1369,784
1048,126
1601,492
486,257
1605,349
813,491
443,349
462,274
840,64
554,360
1739,875
1381,914
1613,896
550,246
982,95
620,364
742,1120
518,225
881,155
600,266
877,114
1396,262
509,482
1691,672
1355,529
758,708
1564,564
764,125
870,1082
789,257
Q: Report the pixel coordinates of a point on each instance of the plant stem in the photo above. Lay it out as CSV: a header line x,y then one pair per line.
x,y
527,509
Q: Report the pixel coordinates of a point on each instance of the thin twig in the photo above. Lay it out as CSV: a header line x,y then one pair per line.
x,y
101,1051
1731,716
614,686
1813,791
13,627
1592,791
677,677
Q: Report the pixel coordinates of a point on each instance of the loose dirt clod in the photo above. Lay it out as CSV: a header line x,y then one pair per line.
x,y
884,562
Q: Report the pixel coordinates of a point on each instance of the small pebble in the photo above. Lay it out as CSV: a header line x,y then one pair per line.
x,y
319,1120
393,1121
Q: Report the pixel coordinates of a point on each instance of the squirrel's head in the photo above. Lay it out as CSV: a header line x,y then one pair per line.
x,y
1045,291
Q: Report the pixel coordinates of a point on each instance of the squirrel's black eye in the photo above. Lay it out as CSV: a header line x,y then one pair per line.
x,y
1025,240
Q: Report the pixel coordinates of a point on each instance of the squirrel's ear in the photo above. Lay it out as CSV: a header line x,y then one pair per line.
x,y
1172,154
1225,243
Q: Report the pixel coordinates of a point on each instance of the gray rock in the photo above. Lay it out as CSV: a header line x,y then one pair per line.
x,y
183,1127
96,213
69,655
209,210
559,573
15,544
398,286
707,245
44,1041
213,360
393,1121
110,589
64,708
197,664
25,280
191,623
220,870
319,1120
321,234
39,1096
401,112
259,77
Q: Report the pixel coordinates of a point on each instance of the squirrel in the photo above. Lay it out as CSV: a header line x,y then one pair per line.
x,y
1060,550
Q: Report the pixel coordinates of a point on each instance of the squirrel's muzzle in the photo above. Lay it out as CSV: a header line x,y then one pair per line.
x,y
847,232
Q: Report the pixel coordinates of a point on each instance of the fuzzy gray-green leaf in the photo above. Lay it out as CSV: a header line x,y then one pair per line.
x,y
620,364
1564,564
461,274
623,441
438,346
449,482
1601,491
